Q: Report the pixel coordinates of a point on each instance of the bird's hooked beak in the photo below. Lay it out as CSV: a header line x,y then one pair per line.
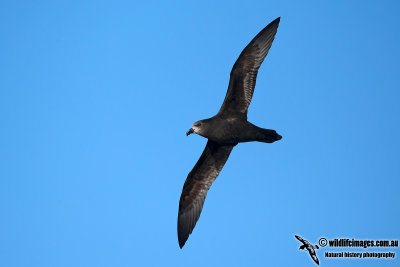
x,y
190,131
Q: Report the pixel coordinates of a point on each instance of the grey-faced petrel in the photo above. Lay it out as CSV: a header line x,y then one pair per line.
x,y
225,130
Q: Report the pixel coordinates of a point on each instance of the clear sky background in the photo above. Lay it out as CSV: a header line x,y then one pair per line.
x,y
96,97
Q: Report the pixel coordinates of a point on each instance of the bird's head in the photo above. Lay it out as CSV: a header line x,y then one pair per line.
x,y
197,127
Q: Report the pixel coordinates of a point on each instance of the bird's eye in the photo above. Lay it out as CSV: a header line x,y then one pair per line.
x,y
197,124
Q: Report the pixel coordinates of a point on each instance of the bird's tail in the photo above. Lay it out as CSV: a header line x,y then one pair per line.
x,y
268,136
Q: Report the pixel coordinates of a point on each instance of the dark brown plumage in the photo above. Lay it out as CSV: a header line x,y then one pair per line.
x,y
197,184
244,73
225,130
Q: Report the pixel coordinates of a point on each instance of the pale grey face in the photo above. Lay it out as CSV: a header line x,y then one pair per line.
x,y
196,128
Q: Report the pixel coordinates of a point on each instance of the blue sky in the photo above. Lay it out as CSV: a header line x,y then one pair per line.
x,y
96,97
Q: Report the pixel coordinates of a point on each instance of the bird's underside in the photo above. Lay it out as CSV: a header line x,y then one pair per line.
x,y
225,130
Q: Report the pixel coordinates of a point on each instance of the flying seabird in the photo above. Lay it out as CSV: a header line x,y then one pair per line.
x,y
311,249
225,130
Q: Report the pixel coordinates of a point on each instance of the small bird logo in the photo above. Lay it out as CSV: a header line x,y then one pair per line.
x,y
311,249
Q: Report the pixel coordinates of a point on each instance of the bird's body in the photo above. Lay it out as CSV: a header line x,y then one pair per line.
x,y
225,130
233,130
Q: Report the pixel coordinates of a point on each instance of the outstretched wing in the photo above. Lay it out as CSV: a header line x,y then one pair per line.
x,y
305,242
196,186
300,239
244,72
314,256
